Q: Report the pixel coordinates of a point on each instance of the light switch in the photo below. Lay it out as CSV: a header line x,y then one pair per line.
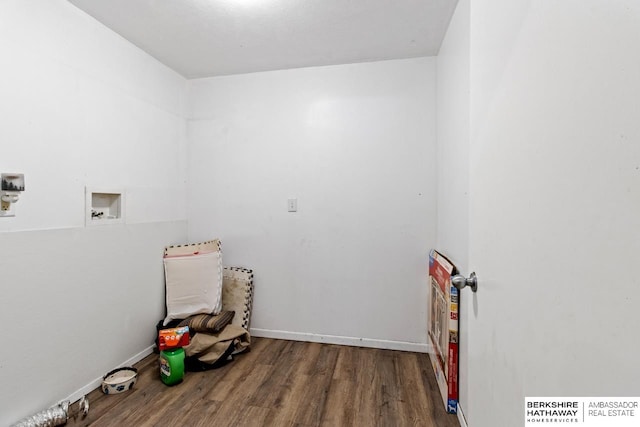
x,y
292,205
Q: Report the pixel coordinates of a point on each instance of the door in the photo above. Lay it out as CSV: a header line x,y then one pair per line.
x,y
554,206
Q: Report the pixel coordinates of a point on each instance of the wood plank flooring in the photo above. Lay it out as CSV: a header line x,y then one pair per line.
x,y
283,383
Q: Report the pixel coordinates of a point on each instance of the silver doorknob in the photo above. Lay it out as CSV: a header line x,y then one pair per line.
x,y
460,282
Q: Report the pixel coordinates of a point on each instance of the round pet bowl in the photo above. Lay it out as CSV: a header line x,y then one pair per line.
x,y
119,380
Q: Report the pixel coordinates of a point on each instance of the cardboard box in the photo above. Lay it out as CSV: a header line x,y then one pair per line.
x,y
443,328
173,338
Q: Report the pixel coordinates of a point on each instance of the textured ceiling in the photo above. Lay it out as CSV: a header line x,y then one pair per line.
x,y
201,38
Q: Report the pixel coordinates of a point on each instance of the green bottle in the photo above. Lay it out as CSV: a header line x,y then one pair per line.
x,y
172,366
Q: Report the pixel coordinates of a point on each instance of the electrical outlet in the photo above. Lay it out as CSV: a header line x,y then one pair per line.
x,y
292,205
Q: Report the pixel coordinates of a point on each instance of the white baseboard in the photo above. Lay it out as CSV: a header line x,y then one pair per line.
x,y
461,419
98,381
340,340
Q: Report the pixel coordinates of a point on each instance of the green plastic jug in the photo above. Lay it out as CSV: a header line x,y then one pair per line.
x,y
172,366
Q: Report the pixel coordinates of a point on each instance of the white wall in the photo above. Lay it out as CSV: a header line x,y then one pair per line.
x,y
453,163
453,138
356,145
555,196
80,106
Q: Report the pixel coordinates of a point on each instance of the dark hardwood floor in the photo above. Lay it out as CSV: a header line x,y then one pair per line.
x,y
283,383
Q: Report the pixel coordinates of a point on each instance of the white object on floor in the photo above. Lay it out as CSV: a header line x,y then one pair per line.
x,y
194,285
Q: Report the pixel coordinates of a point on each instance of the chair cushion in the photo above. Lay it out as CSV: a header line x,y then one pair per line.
x,y
208,322
193,285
